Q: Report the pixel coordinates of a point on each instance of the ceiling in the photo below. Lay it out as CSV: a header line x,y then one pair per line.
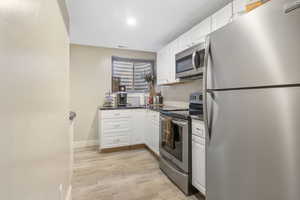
x,y
104,22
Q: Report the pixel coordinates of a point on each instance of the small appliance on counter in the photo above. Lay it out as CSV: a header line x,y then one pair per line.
x,y
109,100
121,99
122,96
158,99
196,104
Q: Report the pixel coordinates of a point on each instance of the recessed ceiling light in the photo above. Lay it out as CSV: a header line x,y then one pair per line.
x,y
131,21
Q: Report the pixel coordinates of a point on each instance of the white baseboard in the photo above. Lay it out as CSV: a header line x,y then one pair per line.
x,y
85,143
69,193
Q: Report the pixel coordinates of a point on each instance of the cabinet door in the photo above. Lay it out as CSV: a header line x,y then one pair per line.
x,y
239,7
156,133
200,31
151,130
222,17
162,66
184,41
198,164
147,129
138,124
173,47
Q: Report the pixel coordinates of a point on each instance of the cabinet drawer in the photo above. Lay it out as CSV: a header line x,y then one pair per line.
x,y
114,133
116,125
198,128
108,142
115,114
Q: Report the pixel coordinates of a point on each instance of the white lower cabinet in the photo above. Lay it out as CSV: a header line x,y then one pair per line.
x,y
198,155
115,128
129,127
152,131
138,124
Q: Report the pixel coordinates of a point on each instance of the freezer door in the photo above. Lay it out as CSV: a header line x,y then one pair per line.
x,y
254,149
261,48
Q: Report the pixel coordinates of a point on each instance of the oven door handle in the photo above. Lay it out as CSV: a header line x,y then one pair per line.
x,y
180,123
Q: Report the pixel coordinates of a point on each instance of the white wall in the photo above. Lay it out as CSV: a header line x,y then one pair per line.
x,y
34,85
90,79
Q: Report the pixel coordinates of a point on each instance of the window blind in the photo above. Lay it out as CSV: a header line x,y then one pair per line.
x,y
131,73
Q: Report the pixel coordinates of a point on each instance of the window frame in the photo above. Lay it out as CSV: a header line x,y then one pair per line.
x,y
132,60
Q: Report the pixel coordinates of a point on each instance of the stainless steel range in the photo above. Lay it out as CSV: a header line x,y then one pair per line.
x,y
175,154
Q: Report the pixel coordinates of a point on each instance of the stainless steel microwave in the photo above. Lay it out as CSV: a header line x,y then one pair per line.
x,y
190,63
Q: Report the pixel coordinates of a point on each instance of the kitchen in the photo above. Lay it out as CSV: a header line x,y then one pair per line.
x,y
164,100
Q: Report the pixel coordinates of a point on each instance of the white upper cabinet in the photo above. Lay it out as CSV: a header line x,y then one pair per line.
x,y
239,7
173,48
222,17
184,42
200,31
166,63
162,66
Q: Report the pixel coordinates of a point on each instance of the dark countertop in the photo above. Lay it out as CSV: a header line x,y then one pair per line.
x,y
153,108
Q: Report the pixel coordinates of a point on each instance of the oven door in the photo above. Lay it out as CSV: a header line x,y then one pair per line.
x,y
178,156
190,62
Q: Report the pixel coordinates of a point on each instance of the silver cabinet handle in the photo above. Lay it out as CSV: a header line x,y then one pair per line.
x,y
206,57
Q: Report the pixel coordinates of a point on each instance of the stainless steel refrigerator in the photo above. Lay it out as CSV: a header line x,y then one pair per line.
x,y
252,106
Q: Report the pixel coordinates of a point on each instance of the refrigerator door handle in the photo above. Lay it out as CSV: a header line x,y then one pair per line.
x,y
291,6
206,92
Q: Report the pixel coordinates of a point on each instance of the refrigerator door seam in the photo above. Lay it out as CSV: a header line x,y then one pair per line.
x,y
252,88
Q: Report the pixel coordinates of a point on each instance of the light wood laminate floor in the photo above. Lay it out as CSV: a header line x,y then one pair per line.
x,y
126,175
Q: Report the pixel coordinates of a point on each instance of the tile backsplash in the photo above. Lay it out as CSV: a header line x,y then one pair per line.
x,y
181,92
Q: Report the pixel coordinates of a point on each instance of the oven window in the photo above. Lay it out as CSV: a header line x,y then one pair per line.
x,y
176,148
184,64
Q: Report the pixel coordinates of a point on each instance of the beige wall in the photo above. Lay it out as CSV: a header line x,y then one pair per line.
x,y
34,85
90,79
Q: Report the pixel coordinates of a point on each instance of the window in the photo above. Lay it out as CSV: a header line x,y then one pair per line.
x,y
131,73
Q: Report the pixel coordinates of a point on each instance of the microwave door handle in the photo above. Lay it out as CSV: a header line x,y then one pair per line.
x,y
193,60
